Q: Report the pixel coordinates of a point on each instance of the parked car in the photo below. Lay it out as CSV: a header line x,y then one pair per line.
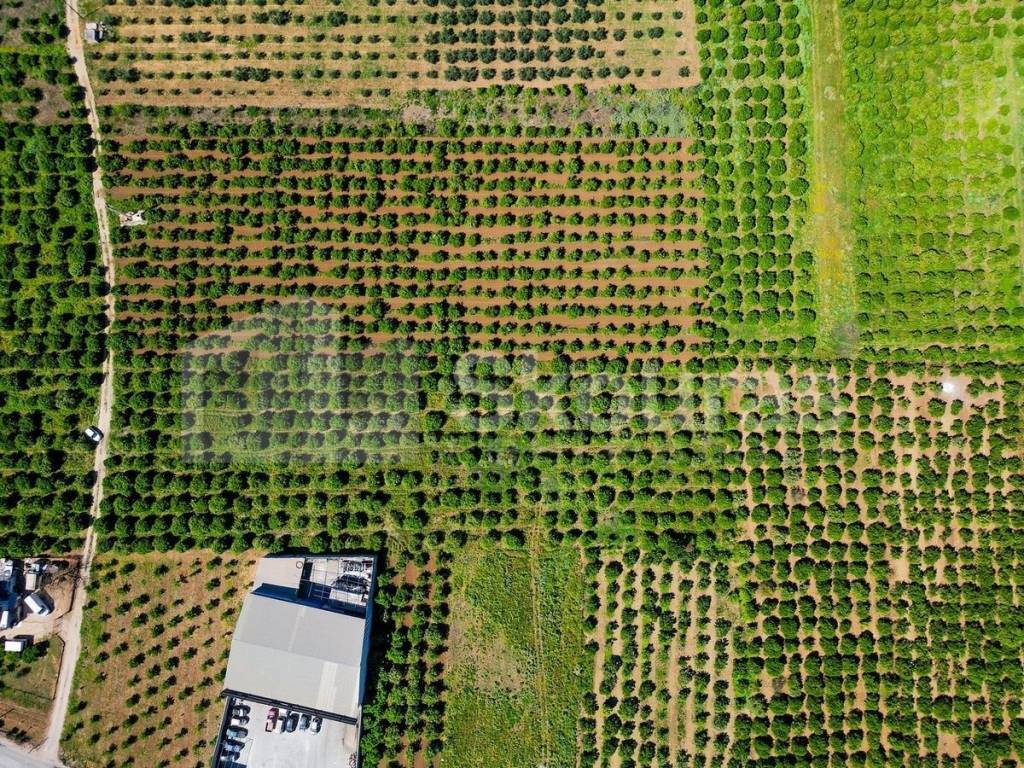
x,y
242,709
315,725
271,719
304,721
237,733
239,719
292,722
94,434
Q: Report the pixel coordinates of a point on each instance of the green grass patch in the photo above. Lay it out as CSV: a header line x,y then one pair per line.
x,y
28,678
517,672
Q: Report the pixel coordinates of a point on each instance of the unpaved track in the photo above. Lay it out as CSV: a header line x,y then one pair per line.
x,y
71,623
13,756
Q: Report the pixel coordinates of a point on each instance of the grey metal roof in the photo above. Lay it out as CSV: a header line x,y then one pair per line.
x,y
279,571
298,654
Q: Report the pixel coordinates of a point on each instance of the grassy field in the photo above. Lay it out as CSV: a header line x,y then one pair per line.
x,y
27,683
829,234
517,670
155,641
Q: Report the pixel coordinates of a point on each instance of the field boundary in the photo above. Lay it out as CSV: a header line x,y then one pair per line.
x,y
71,629
829,224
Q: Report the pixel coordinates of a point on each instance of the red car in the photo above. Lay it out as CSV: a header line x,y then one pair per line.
x,y
271,719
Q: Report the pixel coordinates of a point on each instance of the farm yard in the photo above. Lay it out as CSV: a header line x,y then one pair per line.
x,y
326,54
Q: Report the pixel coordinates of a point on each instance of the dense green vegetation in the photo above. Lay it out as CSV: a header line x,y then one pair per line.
x,y
939,190
52,343
574,383
753,133
517,672
404,714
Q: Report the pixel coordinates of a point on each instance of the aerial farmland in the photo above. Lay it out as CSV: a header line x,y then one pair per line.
x,y
329,53
663,360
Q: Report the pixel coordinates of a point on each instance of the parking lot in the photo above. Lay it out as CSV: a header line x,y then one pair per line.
x,y
335,746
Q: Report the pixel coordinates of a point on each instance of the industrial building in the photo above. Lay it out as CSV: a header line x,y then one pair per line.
x,y
297,669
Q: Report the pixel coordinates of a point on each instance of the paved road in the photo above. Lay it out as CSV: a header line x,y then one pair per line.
x,y
71,623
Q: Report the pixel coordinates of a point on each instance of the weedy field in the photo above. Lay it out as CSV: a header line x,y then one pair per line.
x,y
516,669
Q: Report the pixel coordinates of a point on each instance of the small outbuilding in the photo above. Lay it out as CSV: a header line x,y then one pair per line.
x,y
93,32
131,218
16,645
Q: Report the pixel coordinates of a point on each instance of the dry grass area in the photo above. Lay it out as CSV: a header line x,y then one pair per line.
x,y
156,637
323,53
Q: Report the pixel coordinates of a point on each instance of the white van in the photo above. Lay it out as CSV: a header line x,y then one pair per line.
x,y
38,603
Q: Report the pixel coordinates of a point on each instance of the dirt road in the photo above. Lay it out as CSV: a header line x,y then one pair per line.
x,y
71,623
12,756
